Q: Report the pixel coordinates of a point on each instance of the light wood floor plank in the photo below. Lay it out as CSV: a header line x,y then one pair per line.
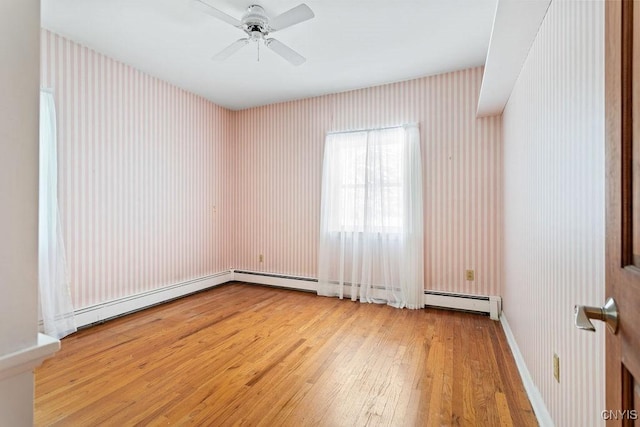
x,y
248,355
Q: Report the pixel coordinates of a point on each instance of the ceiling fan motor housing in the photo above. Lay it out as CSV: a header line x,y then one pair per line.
x,y
255,22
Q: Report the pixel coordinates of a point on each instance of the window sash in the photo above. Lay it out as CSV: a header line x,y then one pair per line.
x,y
368,168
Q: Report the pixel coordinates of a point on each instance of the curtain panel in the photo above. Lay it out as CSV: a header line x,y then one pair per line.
x,y
371,225
56,307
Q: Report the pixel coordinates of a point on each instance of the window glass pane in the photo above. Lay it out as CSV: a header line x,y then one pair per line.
x,y
369,178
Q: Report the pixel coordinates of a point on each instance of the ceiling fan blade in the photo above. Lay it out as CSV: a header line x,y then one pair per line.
x,y
298,14
285,51
230,50
207,8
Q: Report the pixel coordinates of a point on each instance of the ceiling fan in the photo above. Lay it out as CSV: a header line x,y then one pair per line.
x,y
257,25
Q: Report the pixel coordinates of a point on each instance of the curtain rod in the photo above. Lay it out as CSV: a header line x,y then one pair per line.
x,y
370,129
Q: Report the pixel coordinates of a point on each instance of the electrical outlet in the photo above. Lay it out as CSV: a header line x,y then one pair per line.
x,y
556,367
261,258
470,275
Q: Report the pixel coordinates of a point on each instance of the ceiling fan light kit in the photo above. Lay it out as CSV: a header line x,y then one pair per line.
x,y
257,26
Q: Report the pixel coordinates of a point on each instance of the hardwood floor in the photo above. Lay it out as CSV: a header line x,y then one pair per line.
x,y
249,355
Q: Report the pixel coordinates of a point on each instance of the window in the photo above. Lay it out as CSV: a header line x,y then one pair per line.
x,y
371,217
365,170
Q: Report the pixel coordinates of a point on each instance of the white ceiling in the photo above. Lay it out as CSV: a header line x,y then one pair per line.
x,y
349,44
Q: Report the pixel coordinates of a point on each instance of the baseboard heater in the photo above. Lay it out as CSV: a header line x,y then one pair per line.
x,y
491,305
110,309
126,305
308,284
279,276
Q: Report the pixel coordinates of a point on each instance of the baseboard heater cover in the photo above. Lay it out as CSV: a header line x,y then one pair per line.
x,y
111,309
491,305
299,283
280,276
108,310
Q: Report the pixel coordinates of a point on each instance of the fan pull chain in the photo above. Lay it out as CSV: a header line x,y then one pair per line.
x,y
258,50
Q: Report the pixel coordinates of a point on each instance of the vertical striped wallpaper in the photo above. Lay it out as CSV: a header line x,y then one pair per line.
x,y
279,151
160,186
145,197
554,209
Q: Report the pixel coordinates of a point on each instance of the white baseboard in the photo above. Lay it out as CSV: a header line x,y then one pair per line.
x,y
539,407
100,312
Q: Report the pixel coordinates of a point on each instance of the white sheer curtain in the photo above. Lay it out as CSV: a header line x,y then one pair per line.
x,y
371,225
55,293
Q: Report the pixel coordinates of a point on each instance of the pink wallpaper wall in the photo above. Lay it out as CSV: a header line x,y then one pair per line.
x,y
160,186
554,209
145,196
278,155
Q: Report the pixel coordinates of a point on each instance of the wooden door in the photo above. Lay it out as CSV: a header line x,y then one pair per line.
x,y
622,106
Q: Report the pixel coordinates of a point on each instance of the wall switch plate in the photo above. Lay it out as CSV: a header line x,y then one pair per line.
x,y
470,275
556,367
261,258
